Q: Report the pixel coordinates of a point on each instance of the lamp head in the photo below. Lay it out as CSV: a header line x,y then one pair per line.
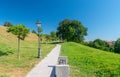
x,y
38,23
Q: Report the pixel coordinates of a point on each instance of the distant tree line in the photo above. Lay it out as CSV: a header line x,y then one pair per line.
x,y
47,37
113,46
73,30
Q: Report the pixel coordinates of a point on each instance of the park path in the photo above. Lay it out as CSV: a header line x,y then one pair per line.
x,y
45,67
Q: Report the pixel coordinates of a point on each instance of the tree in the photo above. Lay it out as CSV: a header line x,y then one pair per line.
x,y
71,30
117,46
8,24
53,35
21,32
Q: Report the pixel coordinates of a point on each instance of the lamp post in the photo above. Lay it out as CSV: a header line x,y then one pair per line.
x,y
38,23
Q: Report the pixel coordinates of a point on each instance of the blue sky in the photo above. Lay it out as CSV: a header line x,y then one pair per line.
x,y
101,17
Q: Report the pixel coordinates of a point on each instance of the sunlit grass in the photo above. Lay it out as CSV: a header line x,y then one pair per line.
x,y
89,62
10,64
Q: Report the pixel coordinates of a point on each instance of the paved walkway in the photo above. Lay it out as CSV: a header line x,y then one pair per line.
x,y
45,67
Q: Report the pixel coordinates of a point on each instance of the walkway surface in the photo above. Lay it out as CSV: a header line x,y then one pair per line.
x,y
45,67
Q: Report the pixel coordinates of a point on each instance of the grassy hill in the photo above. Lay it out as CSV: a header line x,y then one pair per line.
x,y
89,62
10,66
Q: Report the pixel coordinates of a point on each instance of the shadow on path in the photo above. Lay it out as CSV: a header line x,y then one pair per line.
x,y
53,71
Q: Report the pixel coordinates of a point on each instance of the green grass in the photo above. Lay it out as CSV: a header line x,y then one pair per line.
x,y
11,66
89,62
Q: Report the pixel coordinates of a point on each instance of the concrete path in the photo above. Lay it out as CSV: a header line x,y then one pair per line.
x,y
45,67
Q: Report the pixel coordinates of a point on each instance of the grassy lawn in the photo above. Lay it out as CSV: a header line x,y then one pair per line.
x,y
10,66
89,62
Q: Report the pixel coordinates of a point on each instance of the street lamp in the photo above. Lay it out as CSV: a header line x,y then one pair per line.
x,y
38,23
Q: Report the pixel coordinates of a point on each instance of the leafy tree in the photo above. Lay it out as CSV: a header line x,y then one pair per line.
x,y
8,24
117,46
53,35
71,30
21,32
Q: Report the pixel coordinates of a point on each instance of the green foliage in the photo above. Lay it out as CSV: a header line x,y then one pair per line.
x,y
48,37
20,30
53,35
71,30
89,62
8,24
117,46
100,44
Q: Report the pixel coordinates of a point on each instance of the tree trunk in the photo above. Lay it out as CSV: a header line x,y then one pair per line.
x,y
18,48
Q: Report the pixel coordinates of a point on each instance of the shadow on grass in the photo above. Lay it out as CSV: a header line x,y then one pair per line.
x,y
53,43
56,42
5,53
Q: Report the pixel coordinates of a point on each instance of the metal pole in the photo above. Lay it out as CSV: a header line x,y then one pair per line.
x,y
38,23
39,53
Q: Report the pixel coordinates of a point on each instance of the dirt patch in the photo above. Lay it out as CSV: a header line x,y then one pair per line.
x,y
18,72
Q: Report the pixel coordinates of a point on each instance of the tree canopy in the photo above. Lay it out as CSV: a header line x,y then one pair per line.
x,y
71,30
20,30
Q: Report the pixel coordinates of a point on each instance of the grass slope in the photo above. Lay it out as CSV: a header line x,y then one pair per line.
x,y
10,66
89,62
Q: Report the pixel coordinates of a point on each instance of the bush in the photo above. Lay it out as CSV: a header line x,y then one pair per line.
x,y
100,44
